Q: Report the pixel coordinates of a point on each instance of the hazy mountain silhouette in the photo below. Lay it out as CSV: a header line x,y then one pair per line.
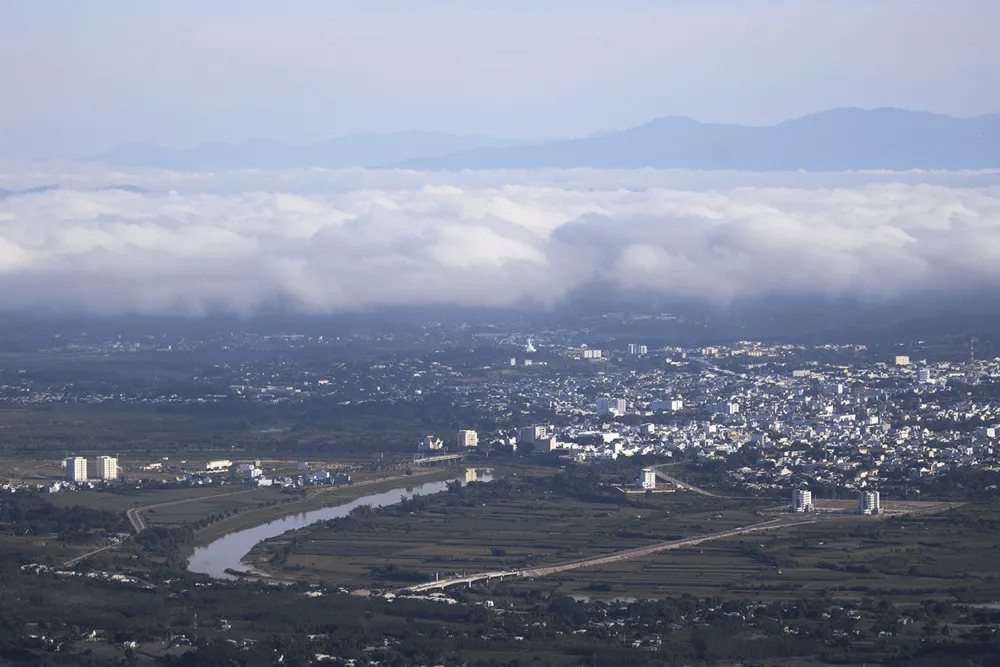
x,y
126,187
840,139
29,191
352,151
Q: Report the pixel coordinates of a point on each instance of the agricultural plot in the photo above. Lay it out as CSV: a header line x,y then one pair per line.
x,y
477,530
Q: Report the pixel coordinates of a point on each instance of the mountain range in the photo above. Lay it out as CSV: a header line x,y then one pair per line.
x,y
360,150
835,140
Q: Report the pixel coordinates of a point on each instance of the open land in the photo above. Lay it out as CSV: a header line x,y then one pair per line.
x,y
917,550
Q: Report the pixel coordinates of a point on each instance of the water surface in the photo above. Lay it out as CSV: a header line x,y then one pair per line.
x,y
228,551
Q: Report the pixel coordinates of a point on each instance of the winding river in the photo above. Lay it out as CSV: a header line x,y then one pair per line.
x,y
228,551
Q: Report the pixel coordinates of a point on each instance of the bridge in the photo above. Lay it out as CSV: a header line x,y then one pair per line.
x,y
605,559
441,458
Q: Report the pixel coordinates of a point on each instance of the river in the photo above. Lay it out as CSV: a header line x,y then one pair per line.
x,y
228,551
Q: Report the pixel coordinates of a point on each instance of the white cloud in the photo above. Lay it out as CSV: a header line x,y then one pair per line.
x,y
358,239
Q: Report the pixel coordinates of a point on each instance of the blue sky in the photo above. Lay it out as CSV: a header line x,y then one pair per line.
x,y
84,75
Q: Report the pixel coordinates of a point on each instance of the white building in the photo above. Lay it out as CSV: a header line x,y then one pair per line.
x,y
802,500
611,406
728,408
431,444
468,438
673,405
647,479
592,354
532,433
221,464
76,469
869,503
107,467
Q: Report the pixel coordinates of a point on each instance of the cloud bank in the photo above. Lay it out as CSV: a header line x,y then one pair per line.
x,y
371,244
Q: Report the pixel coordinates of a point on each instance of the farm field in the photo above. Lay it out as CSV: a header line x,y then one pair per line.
x,y
521,524
937,552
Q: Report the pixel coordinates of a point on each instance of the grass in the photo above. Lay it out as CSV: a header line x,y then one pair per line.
x,y
950,554
530,529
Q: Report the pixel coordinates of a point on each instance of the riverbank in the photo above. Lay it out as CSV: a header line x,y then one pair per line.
x,y
315,499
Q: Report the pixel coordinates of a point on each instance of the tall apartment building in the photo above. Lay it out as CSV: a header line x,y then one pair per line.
x,y
468,438
611,406
647,479
802,500
76,469
532,433
107,467
869,503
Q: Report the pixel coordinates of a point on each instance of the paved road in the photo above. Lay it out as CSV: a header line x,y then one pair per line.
x,y
613,557
74,561
135,515
684,486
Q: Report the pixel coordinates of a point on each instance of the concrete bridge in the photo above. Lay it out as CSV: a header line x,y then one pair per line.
x,y
441,458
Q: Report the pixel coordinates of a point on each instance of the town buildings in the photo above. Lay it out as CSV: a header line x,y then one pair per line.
x,y
76,469
468,439
802,500
107,467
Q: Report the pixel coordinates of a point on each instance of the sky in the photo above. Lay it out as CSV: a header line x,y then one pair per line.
x,y
83,76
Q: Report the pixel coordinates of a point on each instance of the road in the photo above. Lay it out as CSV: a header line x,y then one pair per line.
x,y
614,557
135,515
684,486
74,561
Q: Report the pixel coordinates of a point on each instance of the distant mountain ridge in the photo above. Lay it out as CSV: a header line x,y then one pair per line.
x,y
835,140
361,150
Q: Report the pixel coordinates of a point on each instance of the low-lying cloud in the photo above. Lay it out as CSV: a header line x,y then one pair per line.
x,y
483,244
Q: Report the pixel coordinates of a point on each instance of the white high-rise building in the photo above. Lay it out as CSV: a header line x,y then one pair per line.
x,y
468,438
802,500
107,467
532,433
924,376
647,479
76,469
869,503
611,406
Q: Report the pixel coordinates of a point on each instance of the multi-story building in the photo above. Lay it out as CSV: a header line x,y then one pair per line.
x,y
802,500
924,376
107,467
647,479
431,444
611,406
532,433
468,438
869,503
76,469
902,360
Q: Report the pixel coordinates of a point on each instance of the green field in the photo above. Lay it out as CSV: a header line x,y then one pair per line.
x,y
951,554
480,528
203,501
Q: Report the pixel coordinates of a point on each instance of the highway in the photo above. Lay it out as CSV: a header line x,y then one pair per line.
x,y
614,557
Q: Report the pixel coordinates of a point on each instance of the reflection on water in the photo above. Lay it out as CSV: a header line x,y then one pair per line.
x,y
227,551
